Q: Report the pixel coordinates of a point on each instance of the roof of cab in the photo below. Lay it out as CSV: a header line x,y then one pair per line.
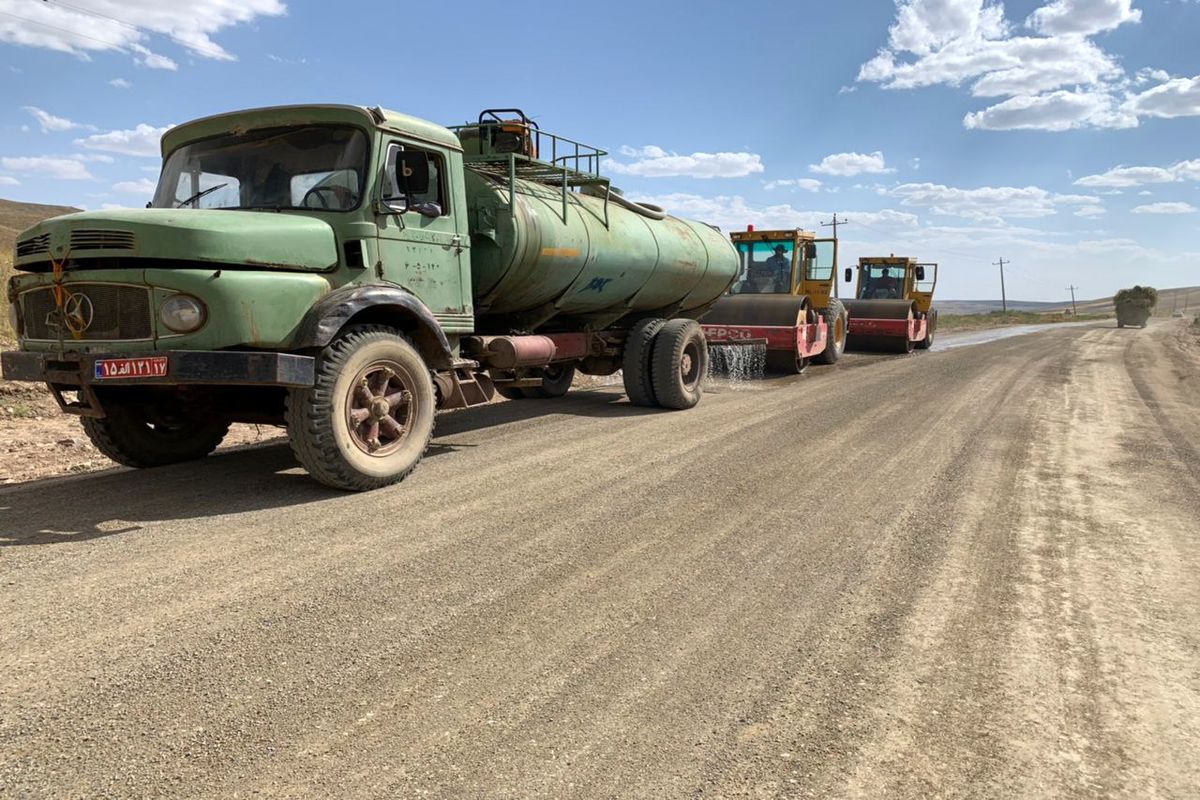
x,y
271,116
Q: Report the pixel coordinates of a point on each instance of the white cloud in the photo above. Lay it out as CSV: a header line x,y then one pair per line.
x,y
989,203
1123,177
66,169
140,186
140,141
807,184
8,180
1145,194
49,123
1055,80
1166,208
850,164
1091,211
1084,17
128,25
120,83
652,161
1053,111
152,60
1179,97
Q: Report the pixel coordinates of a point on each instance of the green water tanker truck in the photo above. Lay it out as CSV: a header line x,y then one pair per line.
x,y
346,271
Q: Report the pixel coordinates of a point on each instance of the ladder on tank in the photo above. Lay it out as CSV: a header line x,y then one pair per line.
x,y
508,149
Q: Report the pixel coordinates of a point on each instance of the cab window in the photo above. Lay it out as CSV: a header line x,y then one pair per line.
x,y
821,267
766,268
199,189
437,181
882,282
335,190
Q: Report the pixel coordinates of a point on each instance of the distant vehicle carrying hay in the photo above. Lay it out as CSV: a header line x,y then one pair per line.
x,y
1134,305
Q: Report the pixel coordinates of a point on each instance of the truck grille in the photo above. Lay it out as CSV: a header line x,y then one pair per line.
x,y
94,239
95,312
33,245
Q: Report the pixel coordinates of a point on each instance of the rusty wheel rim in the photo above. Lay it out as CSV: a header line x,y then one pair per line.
x,y
839,333
381,408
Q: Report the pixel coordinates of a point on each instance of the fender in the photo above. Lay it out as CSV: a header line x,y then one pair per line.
x,y
383,304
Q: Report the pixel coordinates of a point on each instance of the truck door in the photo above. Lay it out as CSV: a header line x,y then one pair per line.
x,y
423,249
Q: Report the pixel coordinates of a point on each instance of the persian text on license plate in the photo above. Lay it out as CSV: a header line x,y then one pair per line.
x,y
152,367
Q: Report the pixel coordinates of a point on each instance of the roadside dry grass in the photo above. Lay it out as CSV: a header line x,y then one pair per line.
x,y
998,319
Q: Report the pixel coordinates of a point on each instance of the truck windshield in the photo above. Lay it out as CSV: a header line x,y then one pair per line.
x,y
882,282
314,168
766,268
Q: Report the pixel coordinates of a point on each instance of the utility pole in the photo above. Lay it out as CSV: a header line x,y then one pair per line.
x,y
1003,296
835,224
1074,311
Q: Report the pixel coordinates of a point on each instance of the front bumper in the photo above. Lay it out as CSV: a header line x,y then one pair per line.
x,y
77,372
204,367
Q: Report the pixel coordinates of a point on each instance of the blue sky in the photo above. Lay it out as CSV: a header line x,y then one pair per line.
x,y
1063,135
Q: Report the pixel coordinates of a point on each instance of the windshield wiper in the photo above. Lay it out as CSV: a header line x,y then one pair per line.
x,y
201,193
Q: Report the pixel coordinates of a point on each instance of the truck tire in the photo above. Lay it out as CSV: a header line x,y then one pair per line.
x,y
128,438
556,382
679,364
635,362
838,322
367,420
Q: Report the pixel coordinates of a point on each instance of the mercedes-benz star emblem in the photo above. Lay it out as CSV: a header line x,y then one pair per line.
x,y
77,312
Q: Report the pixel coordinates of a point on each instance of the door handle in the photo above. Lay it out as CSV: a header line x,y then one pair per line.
x,y
456,243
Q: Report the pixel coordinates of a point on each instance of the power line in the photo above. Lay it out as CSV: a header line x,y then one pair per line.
x,y
1074,311
122,46
133,27
835,224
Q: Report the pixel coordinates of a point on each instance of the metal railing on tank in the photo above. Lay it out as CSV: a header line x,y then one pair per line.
x,y
517,148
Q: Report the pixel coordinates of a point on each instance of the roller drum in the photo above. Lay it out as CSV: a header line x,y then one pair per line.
x,y
879,309
759,310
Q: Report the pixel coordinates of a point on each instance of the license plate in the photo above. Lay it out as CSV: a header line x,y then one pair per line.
x,y
152,367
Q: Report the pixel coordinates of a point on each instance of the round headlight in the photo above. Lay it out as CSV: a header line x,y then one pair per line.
x,y
181,313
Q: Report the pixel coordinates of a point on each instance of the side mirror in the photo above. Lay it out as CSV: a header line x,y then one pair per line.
x,y
849,274
920,273
411,171
810,251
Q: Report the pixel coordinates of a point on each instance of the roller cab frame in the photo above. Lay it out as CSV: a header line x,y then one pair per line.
x,y
784,299
892,309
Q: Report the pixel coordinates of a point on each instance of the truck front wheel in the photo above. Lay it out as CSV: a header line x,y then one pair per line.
x,y
129,437
367,420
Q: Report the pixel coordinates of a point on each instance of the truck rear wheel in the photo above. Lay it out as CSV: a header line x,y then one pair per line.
x,y
369,417
635,362
679,364
837,320
126,436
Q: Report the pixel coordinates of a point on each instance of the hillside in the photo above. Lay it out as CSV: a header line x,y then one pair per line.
x,y
14,218
1186,298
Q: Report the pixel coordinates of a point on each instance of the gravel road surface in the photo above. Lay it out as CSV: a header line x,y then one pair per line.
x,y
964,573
